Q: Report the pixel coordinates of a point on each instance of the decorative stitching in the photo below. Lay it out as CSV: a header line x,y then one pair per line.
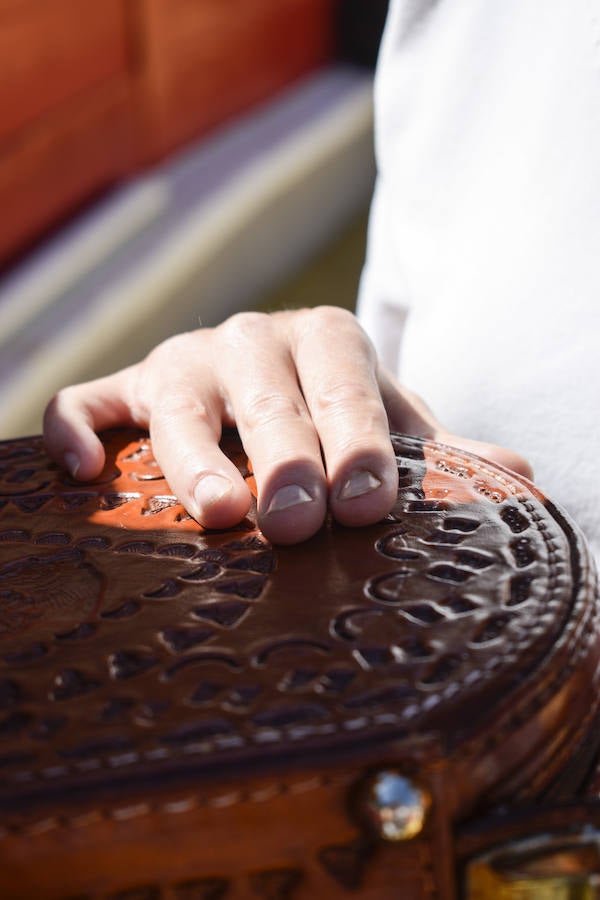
x,y
575,632
179,806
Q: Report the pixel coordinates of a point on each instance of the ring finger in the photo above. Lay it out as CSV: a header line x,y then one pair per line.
x,y
337,369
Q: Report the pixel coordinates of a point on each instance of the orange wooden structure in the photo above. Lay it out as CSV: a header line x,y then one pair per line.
x,y
91,92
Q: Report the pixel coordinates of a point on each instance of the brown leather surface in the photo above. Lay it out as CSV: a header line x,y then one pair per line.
x,y
159,681
276,837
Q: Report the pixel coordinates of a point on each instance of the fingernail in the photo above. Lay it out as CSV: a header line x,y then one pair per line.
x,y
360,482
288,496
72,463
210,489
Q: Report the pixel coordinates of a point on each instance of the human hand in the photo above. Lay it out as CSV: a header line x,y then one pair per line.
x,y
308,397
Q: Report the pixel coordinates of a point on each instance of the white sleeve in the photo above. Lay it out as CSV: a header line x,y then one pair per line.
x,y
379,307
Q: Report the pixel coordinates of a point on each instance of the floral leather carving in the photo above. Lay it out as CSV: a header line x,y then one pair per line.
x,y
186,713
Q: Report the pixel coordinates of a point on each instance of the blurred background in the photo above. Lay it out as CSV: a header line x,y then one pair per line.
x,y
170,162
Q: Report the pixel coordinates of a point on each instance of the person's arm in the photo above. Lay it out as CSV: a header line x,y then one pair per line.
x,y
310,401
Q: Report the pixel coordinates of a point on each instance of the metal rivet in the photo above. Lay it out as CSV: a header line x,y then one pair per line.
x,y
395,806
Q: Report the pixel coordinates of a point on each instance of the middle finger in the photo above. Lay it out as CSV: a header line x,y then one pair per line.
x,y
261,386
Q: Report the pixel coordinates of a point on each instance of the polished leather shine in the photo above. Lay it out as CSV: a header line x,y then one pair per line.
x,y
193,714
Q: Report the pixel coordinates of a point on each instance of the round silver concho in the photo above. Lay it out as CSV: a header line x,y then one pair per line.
x,y
395,806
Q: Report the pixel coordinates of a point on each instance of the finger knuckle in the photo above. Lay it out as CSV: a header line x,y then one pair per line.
x,y
61,400
170,350
364,446
331,313
344,395
243,328
340,328
175,406
268,410
334,317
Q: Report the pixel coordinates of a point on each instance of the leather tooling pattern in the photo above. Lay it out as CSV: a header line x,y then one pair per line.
x,y
129,634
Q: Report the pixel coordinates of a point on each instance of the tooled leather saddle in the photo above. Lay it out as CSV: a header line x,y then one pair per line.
x,y
406,710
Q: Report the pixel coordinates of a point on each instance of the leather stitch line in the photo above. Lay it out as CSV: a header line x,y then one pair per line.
x,y
583,641
177,807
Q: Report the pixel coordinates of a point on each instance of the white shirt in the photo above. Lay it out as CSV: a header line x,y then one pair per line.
x,y
482,281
